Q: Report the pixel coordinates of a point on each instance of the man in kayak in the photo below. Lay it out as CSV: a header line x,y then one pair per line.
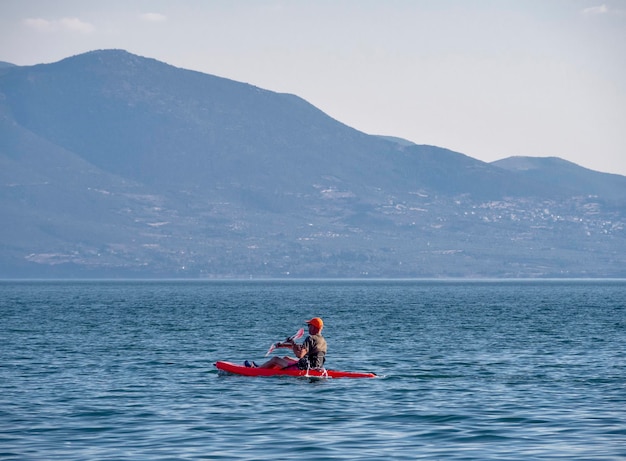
x,y
310,354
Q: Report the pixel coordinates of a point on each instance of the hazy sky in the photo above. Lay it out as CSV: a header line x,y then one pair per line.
x,y
488,78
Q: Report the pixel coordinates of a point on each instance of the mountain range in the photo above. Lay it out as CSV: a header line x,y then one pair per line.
x,y
114,165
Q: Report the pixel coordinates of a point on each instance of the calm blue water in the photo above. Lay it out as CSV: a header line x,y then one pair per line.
x,y
469,371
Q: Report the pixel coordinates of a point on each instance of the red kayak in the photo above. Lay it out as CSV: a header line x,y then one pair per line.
x,y
236,369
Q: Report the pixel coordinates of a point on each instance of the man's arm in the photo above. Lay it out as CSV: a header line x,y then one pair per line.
x,y
299,350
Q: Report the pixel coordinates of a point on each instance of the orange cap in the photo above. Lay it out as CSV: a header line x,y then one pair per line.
x,y
316,322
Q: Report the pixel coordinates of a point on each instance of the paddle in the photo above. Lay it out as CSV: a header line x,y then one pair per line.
x,y
286,342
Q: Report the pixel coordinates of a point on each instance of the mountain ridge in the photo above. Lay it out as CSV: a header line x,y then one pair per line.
x,y
570,175
119,165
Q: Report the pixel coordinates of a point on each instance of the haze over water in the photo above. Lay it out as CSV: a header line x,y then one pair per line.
x,y
510,370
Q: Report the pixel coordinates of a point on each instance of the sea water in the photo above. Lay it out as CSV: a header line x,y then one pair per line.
x,y
506,370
